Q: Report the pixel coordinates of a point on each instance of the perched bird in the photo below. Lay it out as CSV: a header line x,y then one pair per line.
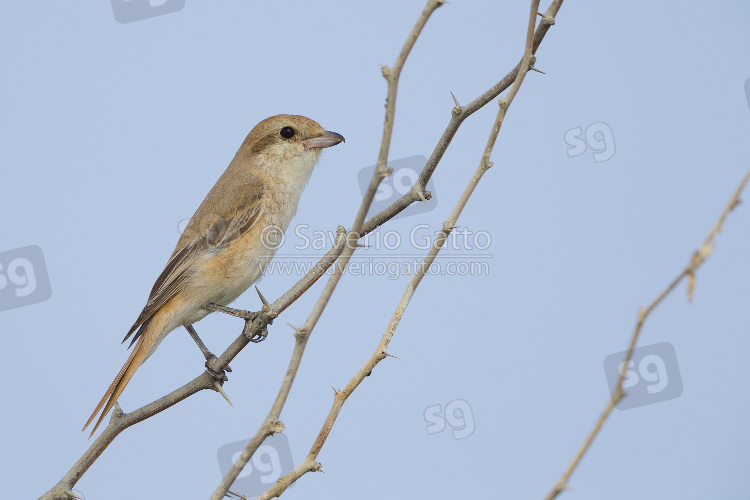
x,y
229,241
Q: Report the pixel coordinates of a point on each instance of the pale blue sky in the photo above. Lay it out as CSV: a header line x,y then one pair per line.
x,y
111,134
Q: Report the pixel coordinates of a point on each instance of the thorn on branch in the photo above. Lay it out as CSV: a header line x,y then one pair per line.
x,y
117,412
419,191
457,108
448,227
262,298
217,388
352,240
560,487
486,163
299,333
384,171
67,494
532,68
641,315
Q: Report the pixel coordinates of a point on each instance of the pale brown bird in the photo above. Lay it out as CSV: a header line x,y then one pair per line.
x,y
231,238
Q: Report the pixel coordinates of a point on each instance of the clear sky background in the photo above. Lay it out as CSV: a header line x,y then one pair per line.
x,y
112,133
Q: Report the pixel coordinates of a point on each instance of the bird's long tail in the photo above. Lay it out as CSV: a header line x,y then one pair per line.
x,y
137,356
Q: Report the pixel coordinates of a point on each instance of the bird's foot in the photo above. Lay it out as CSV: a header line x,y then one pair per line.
x,y
258,336
215,372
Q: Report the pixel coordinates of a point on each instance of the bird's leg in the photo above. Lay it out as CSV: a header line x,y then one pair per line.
x,y
208,355
249,318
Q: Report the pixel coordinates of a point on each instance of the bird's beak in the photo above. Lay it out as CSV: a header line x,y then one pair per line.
x,y
326,140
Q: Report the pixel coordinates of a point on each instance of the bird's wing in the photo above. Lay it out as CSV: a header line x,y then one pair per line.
x,y
211,229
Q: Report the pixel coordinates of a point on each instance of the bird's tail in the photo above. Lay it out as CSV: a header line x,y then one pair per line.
x,y
136,358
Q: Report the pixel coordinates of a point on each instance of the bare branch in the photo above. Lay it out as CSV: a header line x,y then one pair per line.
x,y
121,421
309,463
303,333
458,115
62,490
697,259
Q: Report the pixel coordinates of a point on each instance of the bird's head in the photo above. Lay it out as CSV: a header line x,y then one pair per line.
x,y
284,149
286,137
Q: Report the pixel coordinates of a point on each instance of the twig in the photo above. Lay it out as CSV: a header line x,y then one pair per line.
x,y
697,259
303,333
309,464
459,113
120,421
62,490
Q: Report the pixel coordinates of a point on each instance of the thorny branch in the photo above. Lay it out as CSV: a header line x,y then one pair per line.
x,y
120,421
309,464
303,333
697,259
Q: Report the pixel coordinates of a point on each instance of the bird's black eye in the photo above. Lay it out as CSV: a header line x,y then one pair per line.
x,y
287,132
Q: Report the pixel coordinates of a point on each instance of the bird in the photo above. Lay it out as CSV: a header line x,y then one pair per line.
x,y
230,239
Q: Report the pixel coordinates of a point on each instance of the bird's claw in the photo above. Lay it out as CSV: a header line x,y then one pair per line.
x,y
259,336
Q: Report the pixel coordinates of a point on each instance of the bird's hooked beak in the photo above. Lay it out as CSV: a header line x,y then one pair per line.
x,y
326,140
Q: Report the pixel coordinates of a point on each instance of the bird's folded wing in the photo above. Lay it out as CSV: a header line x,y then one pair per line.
x,y
213,227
